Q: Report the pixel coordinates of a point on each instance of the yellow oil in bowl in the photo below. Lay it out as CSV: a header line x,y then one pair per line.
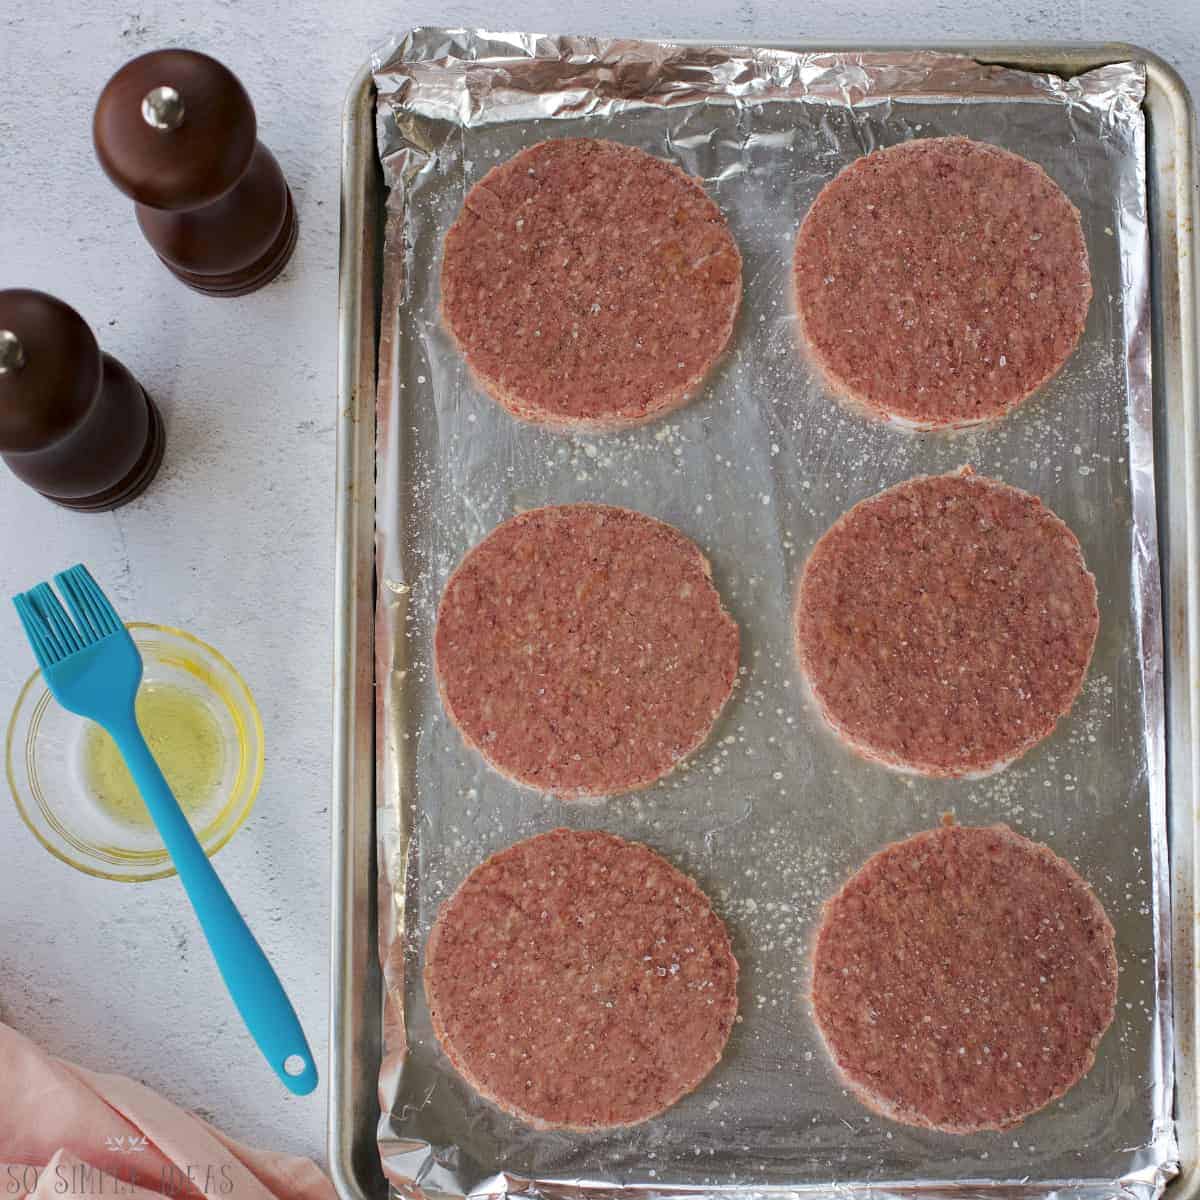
x,y
186,741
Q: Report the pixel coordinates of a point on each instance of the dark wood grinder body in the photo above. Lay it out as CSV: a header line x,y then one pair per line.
x,y
176,131
74,423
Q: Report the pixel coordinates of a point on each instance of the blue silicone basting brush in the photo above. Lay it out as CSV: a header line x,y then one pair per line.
x,y
93,668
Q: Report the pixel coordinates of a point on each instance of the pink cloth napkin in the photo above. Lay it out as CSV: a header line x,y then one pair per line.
x,y
67,1131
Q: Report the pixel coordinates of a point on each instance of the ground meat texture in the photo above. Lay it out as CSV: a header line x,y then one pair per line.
x,y
580,981
590,285
963,979
946,624
583,649
941,281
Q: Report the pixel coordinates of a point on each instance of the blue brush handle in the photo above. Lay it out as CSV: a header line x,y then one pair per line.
x,y
247,972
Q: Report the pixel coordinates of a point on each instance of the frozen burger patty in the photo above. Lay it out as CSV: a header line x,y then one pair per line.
x,y
580,981
583,649
946,624
941,281
590,285
963,979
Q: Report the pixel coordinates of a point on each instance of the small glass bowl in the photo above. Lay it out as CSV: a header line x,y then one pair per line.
x,y
45,755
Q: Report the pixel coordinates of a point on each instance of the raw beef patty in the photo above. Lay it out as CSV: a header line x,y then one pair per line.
x,y
946,624
580,981
941,281
583,650
589,284
963,979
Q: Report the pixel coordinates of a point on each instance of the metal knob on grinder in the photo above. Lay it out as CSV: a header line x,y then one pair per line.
x,y
176,131
75,425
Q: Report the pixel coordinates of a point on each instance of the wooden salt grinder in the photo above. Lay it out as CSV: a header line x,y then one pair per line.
x,y
175,130
74,423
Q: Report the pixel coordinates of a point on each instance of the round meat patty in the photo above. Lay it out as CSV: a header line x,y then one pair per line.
x,y
946,624
963,979
590,285
583,650
940,282
580,981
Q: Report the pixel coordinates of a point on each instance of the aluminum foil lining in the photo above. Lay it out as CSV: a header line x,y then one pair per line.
x,y
773,813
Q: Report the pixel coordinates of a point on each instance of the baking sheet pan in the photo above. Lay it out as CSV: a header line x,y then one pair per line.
x,y
449,1141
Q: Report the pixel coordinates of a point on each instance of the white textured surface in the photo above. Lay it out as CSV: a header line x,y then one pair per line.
x,y
235,539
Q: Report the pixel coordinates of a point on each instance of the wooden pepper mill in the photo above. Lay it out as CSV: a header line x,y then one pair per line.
x,y
176,131
74,423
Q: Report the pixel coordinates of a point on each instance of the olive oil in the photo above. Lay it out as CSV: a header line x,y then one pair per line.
x,y
186,742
